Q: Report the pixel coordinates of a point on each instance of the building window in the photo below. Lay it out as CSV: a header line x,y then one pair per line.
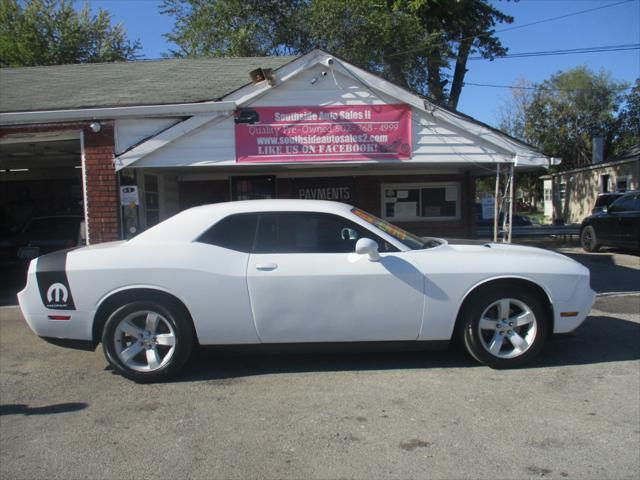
x,y
622,184
562,191
604,183
547,194
422,201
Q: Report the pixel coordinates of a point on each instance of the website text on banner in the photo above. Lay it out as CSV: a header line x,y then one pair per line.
x,y
321,134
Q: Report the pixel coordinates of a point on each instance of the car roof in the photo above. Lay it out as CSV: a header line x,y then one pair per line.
x,y
189,224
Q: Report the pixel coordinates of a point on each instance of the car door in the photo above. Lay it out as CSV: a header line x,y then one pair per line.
x,y
605,225
306,283
626,211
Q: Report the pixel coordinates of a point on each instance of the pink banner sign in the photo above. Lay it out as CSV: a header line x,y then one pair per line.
x,y
321,134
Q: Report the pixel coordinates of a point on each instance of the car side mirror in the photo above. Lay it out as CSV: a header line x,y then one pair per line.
x,y
366,246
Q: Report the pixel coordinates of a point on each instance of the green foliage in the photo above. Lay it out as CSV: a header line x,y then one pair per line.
x,y
569,109
414,43
628,131
52,32
561,115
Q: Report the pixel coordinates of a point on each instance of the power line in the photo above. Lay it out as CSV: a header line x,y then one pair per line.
x,y
557,18
620,89
508,29
571,51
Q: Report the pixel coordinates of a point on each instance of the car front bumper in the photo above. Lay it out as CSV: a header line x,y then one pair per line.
x,y
577,308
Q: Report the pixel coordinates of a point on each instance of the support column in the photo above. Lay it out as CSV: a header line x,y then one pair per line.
x,y
496,205
100,184
512,180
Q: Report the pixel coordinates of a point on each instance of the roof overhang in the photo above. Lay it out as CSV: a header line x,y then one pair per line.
x,y
113,113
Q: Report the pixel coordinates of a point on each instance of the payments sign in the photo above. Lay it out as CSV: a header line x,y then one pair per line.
x,y
321,134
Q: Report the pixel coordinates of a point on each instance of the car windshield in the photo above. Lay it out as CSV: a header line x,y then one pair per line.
x,y
410,240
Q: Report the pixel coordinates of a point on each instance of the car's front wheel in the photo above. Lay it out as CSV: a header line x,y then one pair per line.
x,y
589,240
504,327
148,341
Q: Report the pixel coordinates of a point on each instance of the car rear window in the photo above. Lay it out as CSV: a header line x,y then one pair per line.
x,y
605,200
235,232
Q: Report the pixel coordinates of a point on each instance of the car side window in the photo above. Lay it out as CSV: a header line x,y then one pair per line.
x,y
304,232
624,204
235,232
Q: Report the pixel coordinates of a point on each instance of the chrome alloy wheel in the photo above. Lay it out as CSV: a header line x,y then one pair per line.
x,y
144,341
507,328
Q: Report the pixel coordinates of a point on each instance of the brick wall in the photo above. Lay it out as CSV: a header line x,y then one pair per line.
x,y
101,185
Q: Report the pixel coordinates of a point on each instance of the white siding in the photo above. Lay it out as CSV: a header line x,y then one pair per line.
x,y
213,144
132,131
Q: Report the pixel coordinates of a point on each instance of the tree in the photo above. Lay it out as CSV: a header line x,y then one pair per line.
x,y
569,109
234,28
454,31
512,119
414,43
628,131
512,112
52,32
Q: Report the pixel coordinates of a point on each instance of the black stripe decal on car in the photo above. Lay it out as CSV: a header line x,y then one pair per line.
x,y
53,283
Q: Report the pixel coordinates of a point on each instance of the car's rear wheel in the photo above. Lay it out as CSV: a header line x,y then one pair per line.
x,y
148,341
589,240
504,327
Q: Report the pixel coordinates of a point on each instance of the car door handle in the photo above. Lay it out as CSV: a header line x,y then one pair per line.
x,y
266,266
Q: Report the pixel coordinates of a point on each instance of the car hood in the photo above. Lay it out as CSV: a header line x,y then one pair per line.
x,y
495,258
490,248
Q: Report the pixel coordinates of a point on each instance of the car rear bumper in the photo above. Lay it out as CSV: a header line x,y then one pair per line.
x,y
52,323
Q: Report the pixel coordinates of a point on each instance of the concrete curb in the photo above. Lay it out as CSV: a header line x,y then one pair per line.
x,y
617,294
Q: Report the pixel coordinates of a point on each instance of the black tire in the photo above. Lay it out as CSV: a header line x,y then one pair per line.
x,y
485,304
589,240
170,343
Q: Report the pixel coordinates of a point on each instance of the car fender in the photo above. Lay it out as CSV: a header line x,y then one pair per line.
x,y
136,286
506,277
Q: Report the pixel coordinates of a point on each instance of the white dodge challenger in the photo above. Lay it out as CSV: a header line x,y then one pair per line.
x,y
297,271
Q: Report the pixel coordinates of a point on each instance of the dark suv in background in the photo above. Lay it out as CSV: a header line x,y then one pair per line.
x,y
615,225
604,200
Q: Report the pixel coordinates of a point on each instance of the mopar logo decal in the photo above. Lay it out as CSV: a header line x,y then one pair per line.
x,y
53,282
57,293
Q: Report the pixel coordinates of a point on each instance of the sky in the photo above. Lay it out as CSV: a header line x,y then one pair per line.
x,y
614,25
